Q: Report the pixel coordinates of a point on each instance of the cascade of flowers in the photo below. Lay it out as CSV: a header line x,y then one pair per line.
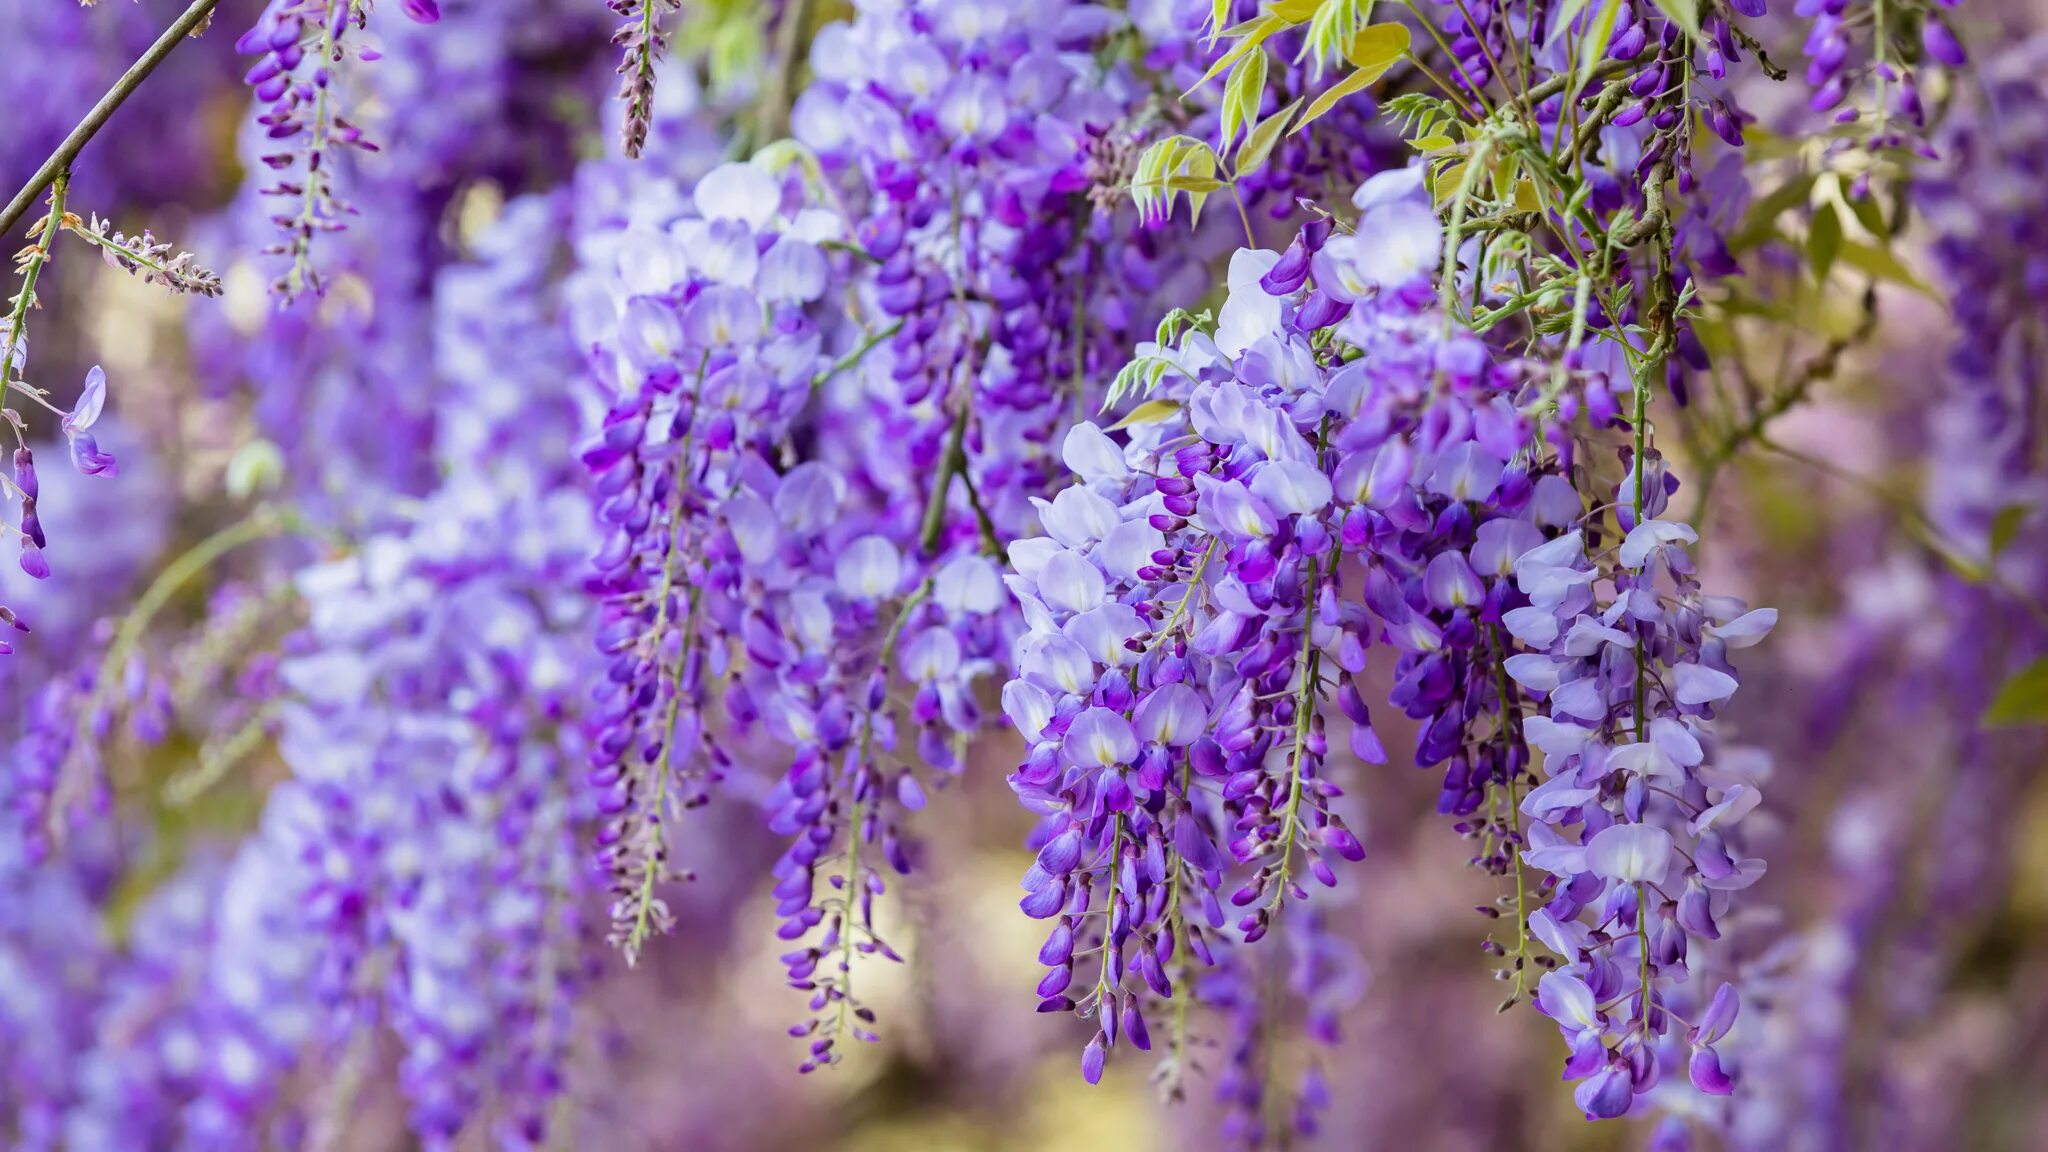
x,y
1187,411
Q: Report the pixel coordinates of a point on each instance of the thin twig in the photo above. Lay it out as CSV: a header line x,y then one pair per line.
x,y
194,18
790,53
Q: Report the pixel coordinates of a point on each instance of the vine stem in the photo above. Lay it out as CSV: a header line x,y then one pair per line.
x,y
1508,714
1304,713
262,525
31,271
854,357
1653,367
643,910
852,898
59,162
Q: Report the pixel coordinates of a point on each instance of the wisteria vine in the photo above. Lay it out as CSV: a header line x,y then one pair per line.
x,y
632,527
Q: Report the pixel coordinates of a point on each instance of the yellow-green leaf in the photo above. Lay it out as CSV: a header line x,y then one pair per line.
x,y
1259,30
1258,143
1356,82
1377,46
1883,264
1562,19
1432,143
1823,241
1593,48
1684,13
2023,700
1150,412
1295,11
1871,217
1760,222
1445,183
1219,11
1242,95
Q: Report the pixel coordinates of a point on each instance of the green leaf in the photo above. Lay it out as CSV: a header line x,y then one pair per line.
x,y
1377,46
1760,222
1562,19
1241,95
2023,700
1198,164
1295,11
1432,143
1372,52
1258,143
1684,13
1445,181
1150,412
1593,48
2005,527
1824,241
1336,23
1871,216
1883,264
1256,33
1175,164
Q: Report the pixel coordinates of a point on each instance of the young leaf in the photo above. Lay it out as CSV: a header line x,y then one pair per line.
x,y
1242,94
1256,33
1684,13
1377,46
1372,52
1295,11
1336,21
1258,143
1561,19
1593,48
1871,216
2023,700
1196,177
1150,412
1824,241
1760,222
1883,264
1445,182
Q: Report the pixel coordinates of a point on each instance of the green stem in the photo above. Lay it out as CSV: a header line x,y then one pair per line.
x,y
1652,369
263,524
32,271
856,356
952,461
643,909
1304,711
1507,715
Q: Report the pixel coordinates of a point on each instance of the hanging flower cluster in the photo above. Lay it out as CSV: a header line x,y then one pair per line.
x,y
582,509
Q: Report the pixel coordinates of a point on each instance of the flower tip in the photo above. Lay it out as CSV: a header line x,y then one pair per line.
x,y
1092,1059
92,399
